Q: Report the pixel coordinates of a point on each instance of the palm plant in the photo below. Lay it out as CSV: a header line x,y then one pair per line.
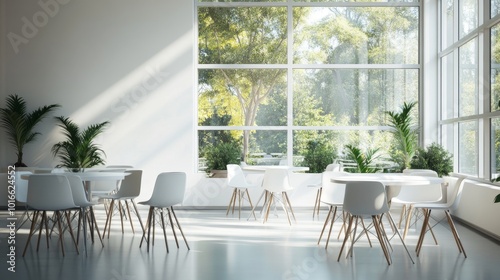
x,y
19,123
365,162
405,135
79,151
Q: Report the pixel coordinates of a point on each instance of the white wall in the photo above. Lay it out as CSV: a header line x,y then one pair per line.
x,y
477,208
126,61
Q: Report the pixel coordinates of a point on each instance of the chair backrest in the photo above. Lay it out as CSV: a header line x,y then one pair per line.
x,y
454,191
131,184
22,186
365,198
421,193
235,176
49,192
3,189
77,190
333,167
169,189
277,180
332,193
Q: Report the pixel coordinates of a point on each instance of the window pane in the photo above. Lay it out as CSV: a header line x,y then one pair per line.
x,y
256,35
495,68
448,137
495,7
448,27
468,148
352,35
495,148
448,87
344,97
264,147
237,97
468,79
468,16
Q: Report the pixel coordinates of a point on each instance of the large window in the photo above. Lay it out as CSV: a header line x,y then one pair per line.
x,y
469,55
276,76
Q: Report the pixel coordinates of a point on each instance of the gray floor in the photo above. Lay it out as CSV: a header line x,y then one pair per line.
x,y
227,248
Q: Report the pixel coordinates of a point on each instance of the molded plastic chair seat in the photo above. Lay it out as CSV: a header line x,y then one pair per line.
x,y
333,196
22,197
50,192
368,198
85,210
168,191
105,187
276,185
409,195
129,190
4,190
236,179
453,199
319,187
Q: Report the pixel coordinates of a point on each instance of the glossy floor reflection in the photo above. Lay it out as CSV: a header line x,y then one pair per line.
x,y
227,248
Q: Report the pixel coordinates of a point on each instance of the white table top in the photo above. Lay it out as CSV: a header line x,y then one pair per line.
x,y
389,179
262,168
87,176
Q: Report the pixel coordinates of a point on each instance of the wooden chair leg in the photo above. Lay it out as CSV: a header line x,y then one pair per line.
x,y
179,227
324,225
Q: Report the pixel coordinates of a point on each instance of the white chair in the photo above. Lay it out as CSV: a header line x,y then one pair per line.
x,y
22,196
453,199
368,199
130,189
410,195
333,196
276,184
104,187
317,202
50,192
168,191
4,185
236,179
85,210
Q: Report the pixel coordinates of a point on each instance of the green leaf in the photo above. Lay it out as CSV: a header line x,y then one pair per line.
x,y
497,198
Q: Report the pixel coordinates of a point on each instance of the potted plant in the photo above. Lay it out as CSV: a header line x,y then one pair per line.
x,y
78,150
405,134
20,124
219,156
433,157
